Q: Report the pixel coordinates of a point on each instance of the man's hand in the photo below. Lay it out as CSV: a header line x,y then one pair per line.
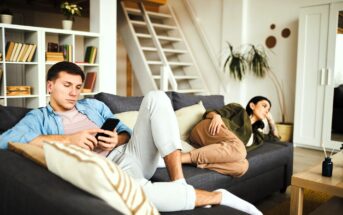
x,y
215,124
108,143
85,139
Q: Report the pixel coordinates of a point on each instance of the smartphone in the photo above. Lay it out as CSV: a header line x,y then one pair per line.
x,y
110,124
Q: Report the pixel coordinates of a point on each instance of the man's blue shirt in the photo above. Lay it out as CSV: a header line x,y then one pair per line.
x,y
44,121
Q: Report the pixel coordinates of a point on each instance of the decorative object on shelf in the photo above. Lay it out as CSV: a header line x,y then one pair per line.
x,y
69,10
18,90
89,84
6,16
255,58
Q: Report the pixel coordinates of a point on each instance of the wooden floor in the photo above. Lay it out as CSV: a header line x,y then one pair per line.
x,y
303,159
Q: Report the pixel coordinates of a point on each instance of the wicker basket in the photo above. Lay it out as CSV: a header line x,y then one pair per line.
x,y
285,131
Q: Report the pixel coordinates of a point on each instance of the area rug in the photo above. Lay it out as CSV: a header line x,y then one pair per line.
x,y
312,200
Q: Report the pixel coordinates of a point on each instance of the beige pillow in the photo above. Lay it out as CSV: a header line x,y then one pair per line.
x,y
128,118
188,117
34,153
98,176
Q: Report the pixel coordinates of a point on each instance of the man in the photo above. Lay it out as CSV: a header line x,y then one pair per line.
x,y
71,121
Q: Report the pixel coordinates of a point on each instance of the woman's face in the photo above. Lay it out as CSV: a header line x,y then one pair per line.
x,y
260,109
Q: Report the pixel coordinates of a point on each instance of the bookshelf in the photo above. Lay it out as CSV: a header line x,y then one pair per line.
x,y
16,72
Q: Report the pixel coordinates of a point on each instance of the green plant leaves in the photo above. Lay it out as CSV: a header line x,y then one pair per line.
x,y
255,59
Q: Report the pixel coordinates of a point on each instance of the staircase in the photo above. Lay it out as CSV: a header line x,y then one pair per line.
x,y
158,51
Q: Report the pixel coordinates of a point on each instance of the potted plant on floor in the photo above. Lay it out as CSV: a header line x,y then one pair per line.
x,y
69,11
256,60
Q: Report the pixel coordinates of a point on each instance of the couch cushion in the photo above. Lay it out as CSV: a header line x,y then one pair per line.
x,y
98,176
263,159
181,100
12,116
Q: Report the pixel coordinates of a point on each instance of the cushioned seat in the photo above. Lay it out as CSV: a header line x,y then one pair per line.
x,y
265,163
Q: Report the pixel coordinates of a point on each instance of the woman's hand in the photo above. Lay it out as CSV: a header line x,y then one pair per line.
x,y
215,124
272,125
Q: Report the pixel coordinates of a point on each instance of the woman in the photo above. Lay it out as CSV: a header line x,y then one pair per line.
x,y
224,135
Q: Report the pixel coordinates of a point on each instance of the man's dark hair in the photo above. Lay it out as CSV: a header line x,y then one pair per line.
x,y
64,66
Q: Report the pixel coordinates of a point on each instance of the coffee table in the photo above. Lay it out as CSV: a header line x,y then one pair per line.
x,y
312,179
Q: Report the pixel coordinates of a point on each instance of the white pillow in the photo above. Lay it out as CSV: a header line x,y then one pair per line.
x,y
128,118
98,176
187,118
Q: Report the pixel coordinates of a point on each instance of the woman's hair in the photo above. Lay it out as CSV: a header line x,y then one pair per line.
x,y
255,100
64,66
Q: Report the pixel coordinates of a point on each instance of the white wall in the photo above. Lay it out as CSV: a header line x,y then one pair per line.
x,y
248,21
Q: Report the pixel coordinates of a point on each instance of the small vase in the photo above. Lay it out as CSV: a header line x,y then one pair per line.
x,y
67,24
7,19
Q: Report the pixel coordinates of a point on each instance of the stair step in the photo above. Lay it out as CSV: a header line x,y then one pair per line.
x,y
159,15
170,63
151,14
140,35
159,26
191,91
172,39
137,23
166,27
175,51
149,49
180,64
179,77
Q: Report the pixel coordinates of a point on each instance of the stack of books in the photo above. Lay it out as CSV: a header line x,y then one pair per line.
x,y
20,52
90,55
54,56
57,52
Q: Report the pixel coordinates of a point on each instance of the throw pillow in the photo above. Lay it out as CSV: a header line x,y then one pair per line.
x,y
98,176
128,118
188,117
34,153
181,100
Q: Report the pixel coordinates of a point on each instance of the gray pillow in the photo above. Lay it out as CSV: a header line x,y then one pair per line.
x,y
118,104
181,100
10,116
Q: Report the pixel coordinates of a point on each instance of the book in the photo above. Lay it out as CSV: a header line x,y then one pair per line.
x,y
14,51
28,51
1,72
22,52
17,51
9,50
89,82
32,53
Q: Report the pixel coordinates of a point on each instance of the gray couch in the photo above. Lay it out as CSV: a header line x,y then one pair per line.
x,y
30,189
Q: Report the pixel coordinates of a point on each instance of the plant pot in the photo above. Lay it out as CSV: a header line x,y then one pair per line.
x,y
285,131
67,24
6,18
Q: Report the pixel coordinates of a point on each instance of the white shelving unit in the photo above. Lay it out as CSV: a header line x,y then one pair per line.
x,y
34,73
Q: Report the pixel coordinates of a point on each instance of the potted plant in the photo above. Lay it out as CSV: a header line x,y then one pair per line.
x,y
69,11
256,60
6,16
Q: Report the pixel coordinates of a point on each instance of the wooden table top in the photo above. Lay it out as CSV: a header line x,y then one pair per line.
x,y
313,179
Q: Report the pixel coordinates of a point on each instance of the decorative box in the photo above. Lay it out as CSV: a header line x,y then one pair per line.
x,y
18,90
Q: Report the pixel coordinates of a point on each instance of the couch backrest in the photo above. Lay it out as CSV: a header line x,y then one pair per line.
x,y
119,104
9,116
338,97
